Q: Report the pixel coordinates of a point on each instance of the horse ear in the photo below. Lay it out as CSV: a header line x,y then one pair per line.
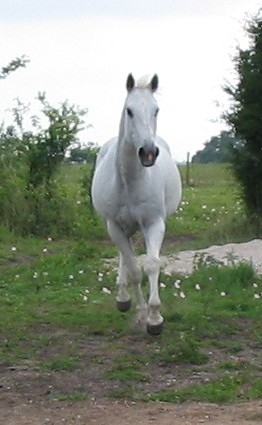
x,y
154,83
130,82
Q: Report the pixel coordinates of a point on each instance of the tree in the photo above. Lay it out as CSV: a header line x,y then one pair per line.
x,y
33,197
245,119
46,147
217,150
13,66
32,200
85,153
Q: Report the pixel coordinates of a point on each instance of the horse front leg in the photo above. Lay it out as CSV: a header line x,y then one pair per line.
x,y
128,271
154,235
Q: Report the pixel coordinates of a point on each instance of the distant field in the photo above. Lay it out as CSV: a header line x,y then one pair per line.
x,y
201,175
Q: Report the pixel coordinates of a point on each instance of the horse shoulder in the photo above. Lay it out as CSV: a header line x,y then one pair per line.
x,y
162,144
104,195
106,150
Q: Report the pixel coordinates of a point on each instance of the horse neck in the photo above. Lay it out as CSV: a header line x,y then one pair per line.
x,y
127,163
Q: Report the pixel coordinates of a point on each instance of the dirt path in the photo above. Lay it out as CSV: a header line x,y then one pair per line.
x,y
107,412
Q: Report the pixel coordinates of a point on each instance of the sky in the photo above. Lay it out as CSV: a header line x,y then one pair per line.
x,y
83,50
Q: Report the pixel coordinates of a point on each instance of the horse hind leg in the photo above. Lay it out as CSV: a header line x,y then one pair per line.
x,y
128,271
133,275
123,300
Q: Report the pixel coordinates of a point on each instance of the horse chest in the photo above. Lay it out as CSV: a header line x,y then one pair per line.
x,y
135,208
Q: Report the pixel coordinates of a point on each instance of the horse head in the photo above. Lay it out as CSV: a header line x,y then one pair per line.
x,y
140,118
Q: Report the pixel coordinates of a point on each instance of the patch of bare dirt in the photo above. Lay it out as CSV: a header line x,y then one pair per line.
x,y
30,395
183,262
107,412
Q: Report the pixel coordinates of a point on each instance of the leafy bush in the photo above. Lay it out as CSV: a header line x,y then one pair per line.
x,y
34,200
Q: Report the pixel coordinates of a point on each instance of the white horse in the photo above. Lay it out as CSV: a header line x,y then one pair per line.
x,y
136,185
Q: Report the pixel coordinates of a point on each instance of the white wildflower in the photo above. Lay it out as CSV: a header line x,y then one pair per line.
x,y
255,285
85,298
256,296
162,285
71,276
177,283
81,271
223,294
197,286
13,249
45,250
106,291
182,295
86,291
49,239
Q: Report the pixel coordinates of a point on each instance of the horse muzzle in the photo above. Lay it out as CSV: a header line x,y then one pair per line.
x,y
148,155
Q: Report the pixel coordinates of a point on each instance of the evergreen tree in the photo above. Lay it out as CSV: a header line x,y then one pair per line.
x,y
245,119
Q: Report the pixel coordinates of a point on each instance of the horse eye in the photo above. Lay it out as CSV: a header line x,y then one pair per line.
x,y
156,112
130,113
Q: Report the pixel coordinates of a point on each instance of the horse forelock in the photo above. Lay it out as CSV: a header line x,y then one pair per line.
x,y
143,82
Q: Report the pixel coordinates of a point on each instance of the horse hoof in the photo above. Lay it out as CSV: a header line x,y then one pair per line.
x,y
123,305
155,329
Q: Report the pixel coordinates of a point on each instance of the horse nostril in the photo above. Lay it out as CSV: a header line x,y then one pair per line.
x,y
157,152
141,152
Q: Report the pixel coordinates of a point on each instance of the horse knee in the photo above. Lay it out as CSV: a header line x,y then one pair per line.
x,y
152,265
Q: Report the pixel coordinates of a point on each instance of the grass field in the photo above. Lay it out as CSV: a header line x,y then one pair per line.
x,y
62,338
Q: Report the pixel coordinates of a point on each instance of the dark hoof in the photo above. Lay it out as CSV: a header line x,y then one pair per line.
x,y
155,329
123,305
